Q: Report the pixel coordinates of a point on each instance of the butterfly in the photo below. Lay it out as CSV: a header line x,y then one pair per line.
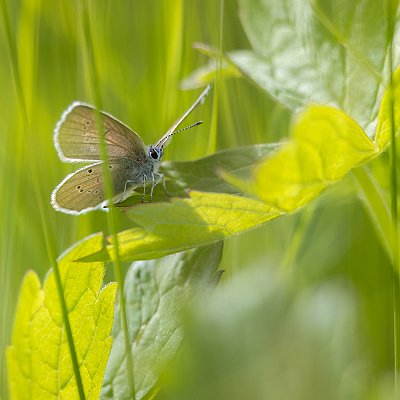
x,y
131,162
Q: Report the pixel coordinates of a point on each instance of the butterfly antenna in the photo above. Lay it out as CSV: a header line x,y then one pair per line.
x,y
165,140
187,127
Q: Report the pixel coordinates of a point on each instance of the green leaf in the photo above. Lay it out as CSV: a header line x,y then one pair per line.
x,y
326,145
156,293
38,359
202,174
166,228
302,49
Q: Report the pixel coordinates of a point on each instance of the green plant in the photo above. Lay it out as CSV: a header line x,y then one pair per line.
x,y
331,64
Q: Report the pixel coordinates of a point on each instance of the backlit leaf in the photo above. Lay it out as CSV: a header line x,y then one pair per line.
x,y
326,145
166,228
38,359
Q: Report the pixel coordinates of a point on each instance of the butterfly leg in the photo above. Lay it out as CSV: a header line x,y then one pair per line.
x,y
144,187
161,178
155,182
152,186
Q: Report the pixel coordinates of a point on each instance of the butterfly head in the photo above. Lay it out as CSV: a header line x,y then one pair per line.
x,y
155,153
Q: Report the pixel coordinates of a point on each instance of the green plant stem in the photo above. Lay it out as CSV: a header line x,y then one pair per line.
x,y
395,239
173,61
47,237
212,141
303,222
395,233
376,204
95,88
391,12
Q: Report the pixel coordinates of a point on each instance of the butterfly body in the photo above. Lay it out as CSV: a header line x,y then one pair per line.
x,y
131,163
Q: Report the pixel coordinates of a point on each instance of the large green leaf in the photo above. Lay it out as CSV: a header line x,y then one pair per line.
x,y
156,292
38,359
204,218
326,145
313,51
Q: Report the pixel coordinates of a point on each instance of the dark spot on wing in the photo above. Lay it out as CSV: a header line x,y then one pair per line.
x,y
90,170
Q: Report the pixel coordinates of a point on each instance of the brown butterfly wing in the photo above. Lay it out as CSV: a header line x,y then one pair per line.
x,y
84,189
77,136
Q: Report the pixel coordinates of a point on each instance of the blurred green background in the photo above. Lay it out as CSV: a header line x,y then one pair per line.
x,y
143,50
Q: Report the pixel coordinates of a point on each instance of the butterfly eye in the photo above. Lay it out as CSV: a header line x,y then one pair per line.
x,y
154,153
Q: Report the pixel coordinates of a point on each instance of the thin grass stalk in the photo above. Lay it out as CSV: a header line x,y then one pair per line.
x,y
173,60
377,205
304,220
391,8
212,142
111,218
10,252
39,198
